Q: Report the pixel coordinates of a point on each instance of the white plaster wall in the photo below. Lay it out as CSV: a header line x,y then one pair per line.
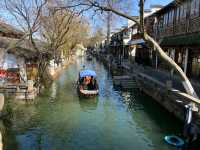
x,y
10,61
130,23
2,53
126,41
22,68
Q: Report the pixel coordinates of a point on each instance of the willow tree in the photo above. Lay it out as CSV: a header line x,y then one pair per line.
x,y
99,5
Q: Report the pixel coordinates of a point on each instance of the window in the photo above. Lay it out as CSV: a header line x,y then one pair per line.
x,y
165,19
178,13
171,16
183,10
161,21
196,66
194,10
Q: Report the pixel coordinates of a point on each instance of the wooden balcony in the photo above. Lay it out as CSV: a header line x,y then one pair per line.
x,y
185,26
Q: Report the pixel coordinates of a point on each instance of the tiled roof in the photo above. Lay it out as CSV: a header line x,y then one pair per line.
x,y
8,29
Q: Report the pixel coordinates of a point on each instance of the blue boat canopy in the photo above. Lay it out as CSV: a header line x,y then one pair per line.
x,y
87,72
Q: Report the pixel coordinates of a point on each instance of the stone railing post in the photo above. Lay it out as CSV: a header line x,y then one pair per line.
x,y
169,84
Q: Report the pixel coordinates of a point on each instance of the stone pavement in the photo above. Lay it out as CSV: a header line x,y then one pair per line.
x,y
164,76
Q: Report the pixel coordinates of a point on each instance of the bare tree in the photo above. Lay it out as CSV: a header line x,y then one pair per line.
x,y
98,6
97,37
62,30
55,27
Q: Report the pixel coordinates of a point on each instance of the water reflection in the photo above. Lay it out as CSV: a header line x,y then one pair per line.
x,y
88,104
130,99
31,139
53,90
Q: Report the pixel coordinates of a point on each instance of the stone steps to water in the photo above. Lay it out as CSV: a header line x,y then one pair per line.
x,y
125,82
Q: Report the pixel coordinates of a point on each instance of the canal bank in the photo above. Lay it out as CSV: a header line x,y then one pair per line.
x,y
162,91
115,120
55,71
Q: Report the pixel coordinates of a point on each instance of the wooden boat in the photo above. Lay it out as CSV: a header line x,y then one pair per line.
x,y
87,85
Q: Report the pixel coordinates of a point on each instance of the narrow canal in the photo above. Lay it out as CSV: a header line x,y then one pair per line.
x,y
115,120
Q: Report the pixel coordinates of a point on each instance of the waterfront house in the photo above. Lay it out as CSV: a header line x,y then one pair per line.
x,y
177,30
9,63
18,62
137,50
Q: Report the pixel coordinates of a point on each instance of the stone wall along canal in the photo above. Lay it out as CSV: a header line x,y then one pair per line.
x,y
115,120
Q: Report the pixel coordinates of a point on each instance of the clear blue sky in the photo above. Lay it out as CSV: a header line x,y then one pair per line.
x,y
148,3
95,22
161,2
134,11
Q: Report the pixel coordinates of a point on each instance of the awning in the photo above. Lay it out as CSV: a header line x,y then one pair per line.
x,y
183,40
137,41
87,72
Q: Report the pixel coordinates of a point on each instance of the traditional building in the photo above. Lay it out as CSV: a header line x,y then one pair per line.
x,y
138,50
177,30
18,61
9,63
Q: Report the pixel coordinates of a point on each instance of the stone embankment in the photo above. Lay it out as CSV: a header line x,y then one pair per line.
x,y
54,72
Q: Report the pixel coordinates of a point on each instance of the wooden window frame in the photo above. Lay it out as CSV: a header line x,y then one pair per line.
x,y
194,8
184,8
178,14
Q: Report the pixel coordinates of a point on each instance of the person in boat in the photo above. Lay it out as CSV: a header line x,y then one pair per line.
x,y
85,82
92,84
83,85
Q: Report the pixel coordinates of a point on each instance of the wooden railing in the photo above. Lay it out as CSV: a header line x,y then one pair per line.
x,y
185,26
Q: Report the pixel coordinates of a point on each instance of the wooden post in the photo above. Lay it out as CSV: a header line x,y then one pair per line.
x,y
1,141
1,102
156,60
173,57
186,61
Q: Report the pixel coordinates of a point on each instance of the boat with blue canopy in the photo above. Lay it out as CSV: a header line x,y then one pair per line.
x,y
87,72
87,84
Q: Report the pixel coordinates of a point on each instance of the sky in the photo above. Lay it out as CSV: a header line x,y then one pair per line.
x,y
121,21
160,2
95,20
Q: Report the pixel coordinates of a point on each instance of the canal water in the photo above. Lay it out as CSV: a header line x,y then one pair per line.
x,y
115,120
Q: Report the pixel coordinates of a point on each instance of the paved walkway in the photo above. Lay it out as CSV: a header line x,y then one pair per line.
x,y
164,76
